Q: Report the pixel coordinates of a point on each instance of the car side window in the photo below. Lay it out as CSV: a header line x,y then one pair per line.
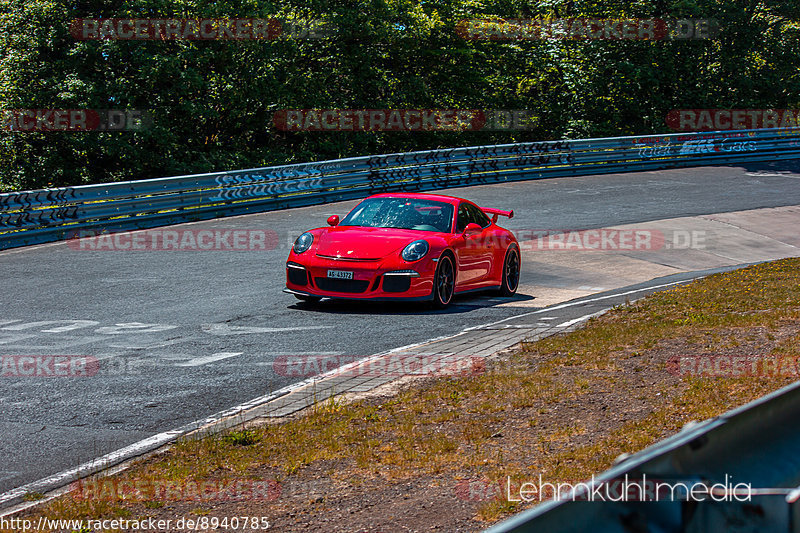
x,y
478,216
464,217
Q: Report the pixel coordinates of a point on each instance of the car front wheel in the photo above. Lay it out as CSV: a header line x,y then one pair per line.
x,y
444,282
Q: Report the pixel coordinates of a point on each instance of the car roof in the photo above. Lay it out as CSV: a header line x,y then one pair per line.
x,y
420,196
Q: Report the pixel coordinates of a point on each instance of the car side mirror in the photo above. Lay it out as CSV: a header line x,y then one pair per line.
x,y
333,220
472,228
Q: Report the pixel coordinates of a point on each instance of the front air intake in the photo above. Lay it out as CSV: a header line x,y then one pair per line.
x,y
352,286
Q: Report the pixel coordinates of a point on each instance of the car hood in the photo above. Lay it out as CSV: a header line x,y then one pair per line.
x,y
351,242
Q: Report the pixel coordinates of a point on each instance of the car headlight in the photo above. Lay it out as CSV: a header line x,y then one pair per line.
x,y
415,251
303,243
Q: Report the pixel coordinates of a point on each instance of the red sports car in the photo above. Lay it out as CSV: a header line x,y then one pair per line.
x,y
402,246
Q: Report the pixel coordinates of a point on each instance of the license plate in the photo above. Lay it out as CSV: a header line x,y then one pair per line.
x,y
340,274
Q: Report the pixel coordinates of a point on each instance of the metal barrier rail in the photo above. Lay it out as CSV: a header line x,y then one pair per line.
x,y
32,217
755,445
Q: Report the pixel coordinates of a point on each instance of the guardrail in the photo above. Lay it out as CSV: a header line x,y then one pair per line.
x,y
32,217
755,445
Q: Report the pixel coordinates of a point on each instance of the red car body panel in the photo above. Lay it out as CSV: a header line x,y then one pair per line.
x,y
372,254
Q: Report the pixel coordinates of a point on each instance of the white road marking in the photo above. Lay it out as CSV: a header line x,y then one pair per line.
x,y
219,356
578,302
225,329
71,324
70,475
770,175
580,319
133,327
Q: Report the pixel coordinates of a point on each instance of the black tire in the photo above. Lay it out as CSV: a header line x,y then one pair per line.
x,y
511,271
444,282
308,299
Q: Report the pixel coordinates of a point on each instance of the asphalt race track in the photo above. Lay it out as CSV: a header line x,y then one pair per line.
x,y
181,335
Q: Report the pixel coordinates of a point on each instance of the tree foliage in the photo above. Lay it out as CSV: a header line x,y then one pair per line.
x,y
212,101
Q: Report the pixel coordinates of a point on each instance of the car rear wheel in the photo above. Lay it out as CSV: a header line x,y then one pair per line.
x,y
444,282
511,271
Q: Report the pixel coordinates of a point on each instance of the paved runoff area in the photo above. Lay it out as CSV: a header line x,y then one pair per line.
x,y
690,243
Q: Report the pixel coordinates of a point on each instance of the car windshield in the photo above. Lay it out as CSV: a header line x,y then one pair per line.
x,y
405,213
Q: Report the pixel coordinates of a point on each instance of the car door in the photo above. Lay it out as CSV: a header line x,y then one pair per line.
x,y
473,252
484,245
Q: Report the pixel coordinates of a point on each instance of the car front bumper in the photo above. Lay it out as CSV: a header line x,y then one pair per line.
x,y
370,280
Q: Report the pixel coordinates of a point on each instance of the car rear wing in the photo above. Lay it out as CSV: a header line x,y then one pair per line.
x,y
496,212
